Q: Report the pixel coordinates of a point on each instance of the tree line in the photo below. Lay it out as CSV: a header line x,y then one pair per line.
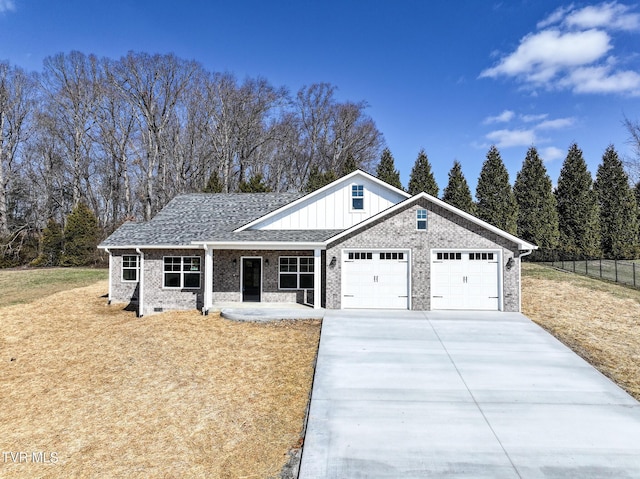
x,y
580,218
88,143
124,136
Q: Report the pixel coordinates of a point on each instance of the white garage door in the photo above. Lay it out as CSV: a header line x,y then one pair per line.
x,y
465,280
375,279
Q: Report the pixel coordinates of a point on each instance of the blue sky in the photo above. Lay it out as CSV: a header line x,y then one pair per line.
x,y
452,77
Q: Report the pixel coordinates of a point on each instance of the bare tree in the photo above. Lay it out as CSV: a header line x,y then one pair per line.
x,y
71,88
153,84
16,106
633,164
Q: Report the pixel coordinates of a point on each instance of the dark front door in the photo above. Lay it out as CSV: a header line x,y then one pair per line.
x,y
251,279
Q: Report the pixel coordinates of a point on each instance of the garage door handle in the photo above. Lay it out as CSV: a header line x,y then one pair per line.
x,y
348,296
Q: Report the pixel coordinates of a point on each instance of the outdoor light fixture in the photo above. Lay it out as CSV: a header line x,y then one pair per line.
x,y
235,261
333,261
510,263
266,261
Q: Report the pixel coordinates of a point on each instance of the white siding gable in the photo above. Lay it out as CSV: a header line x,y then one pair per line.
x,y
332,208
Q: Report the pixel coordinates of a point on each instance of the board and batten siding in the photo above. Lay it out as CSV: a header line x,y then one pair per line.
x,y
331,209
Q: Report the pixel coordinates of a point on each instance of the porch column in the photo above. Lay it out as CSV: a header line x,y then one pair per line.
x,y
208,277
317,278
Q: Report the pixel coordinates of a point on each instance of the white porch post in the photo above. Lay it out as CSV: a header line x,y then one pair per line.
x,y
317,278
141,284
208,278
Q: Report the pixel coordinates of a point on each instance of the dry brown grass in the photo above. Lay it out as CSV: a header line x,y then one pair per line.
x,y
598,320
169,395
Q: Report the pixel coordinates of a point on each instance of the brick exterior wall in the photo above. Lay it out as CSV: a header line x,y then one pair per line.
x,y
122,291
155,297
444,230
226,275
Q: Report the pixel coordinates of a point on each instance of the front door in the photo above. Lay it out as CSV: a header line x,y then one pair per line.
x,y
251,279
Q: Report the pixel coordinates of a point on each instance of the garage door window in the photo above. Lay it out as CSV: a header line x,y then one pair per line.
x,y
360,255
449,256
296,272
480,256
393,255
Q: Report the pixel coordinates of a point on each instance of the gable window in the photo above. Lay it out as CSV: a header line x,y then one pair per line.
x,y
130,268
181,272
357,197
421,219
295,272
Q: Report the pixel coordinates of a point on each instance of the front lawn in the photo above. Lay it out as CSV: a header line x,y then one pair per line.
x,y
168,395
597,319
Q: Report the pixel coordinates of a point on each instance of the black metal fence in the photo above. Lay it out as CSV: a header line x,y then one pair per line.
x,y
625,272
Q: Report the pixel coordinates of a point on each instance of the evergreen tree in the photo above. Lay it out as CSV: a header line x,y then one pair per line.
x,y
349,166
255,184
214,185
421,178
386,170
578,215
457,192
80,237
317,179
537,209
618,208
496,203
51,245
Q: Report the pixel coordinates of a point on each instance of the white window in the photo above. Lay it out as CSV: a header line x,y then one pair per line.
x,y
296,272
421,219
130,268
181,272
357,197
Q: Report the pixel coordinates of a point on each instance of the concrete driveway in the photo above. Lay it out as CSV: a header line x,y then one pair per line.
x,y
446,394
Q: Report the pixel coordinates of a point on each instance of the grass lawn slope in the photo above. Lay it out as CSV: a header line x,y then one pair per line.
x,y
597,319
169,395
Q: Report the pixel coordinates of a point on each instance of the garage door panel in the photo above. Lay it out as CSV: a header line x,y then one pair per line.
x,y
465,280
375,279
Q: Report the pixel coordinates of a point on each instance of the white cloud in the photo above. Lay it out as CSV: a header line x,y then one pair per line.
x,y
508,138
504,117
540,56
532,118
551,153
611,15
7,6
556,124
556,17
572,50
600,79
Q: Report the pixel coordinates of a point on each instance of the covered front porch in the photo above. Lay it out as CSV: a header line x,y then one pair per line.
x,y
268,274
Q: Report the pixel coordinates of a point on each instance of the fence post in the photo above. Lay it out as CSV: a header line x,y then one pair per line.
x,y
615,262
600,268
634,274
574,265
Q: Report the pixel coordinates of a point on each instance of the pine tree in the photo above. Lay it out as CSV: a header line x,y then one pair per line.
x,y
51,245
214,185
457,192
537,209
80,237
255,184
421,178
349,166
618,208
578,215
386,170
317,179
496,203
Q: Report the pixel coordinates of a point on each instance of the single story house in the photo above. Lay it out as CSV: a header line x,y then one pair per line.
x,y
355,243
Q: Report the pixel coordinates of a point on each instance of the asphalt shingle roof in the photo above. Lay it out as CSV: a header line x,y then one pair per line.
x,y
212,217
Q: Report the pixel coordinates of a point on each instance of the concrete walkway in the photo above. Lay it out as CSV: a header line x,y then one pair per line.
x,y
453,395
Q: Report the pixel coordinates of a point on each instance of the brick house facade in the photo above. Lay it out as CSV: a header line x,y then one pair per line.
x,y
201,250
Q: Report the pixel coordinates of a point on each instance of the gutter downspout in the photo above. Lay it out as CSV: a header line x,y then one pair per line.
x,y
526,253
141,284
109,293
